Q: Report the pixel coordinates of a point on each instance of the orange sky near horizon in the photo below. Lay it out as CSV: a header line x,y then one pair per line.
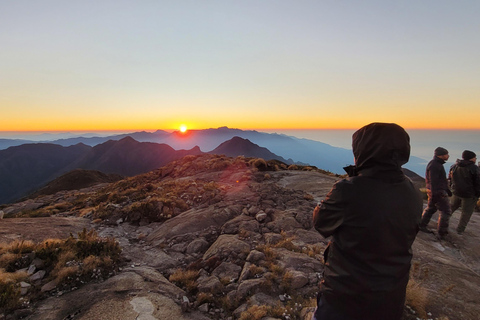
x,y
272,64
268,121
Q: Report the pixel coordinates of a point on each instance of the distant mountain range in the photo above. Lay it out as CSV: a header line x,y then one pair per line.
x,y
26,167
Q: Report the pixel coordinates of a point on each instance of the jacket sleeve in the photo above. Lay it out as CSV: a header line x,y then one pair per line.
x,y
332,210
438,179
476,181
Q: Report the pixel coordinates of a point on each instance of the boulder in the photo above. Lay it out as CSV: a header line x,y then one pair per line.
x,y
210,284
232,226
309,236
226,245
49,286
262,299
298,261
252,211
299,279
190,222
250,225
197,246
165,287
227,270
255,256
283,221
24,287
245,272
38,275
250,287
272,238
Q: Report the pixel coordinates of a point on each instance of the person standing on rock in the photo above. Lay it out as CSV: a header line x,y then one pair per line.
x,y
438,192
373,219
464,178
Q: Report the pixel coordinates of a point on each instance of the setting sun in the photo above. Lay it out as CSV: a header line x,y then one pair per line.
x,y
183,128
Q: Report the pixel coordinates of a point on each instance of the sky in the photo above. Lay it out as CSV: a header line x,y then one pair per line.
x,y
248,64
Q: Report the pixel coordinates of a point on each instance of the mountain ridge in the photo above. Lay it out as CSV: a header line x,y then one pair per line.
x,y
26,168
300,150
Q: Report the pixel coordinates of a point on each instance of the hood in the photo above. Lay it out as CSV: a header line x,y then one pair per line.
x,y
463,163
382,146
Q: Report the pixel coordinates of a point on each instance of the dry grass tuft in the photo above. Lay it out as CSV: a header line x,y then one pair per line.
x,y
7,260
17,246
69,262
254,313
67,274
204,297
12,277
286,283
185,279
417,297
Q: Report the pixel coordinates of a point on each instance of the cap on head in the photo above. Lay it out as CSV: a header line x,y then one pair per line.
x,y
440,151
467,155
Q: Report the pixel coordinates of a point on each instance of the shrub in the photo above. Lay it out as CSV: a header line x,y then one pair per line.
x,y
286,284
204,297
270,253
416,297
254,313
255,270
68,262
67,274
8,260
89,243
259,164
287,243
185,279
17,246
228,303
9,297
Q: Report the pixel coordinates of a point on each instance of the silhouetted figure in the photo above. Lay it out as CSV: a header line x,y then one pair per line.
x,y
438,193
373,217
464,178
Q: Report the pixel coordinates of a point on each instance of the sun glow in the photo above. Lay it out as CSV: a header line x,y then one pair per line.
x,y
183,128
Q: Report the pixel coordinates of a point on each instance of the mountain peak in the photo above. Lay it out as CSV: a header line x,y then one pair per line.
x,y
238,146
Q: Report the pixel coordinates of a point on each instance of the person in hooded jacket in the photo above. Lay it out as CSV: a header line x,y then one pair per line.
x,y
438,192
373,218
464,178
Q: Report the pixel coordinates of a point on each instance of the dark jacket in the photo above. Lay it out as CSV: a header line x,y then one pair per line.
x,y
464,178
436,177
373,218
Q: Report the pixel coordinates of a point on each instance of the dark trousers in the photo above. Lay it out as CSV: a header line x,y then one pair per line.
x,y
389,307
441,203
325,311
468,205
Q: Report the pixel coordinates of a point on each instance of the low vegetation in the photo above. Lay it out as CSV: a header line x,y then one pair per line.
x,y
26,267
164,193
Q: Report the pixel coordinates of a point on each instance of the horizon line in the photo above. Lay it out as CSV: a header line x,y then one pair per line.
x,y
199,129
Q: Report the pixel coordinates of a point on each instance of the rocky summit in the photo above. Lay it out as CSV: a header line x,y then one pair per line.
x,y
209,237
